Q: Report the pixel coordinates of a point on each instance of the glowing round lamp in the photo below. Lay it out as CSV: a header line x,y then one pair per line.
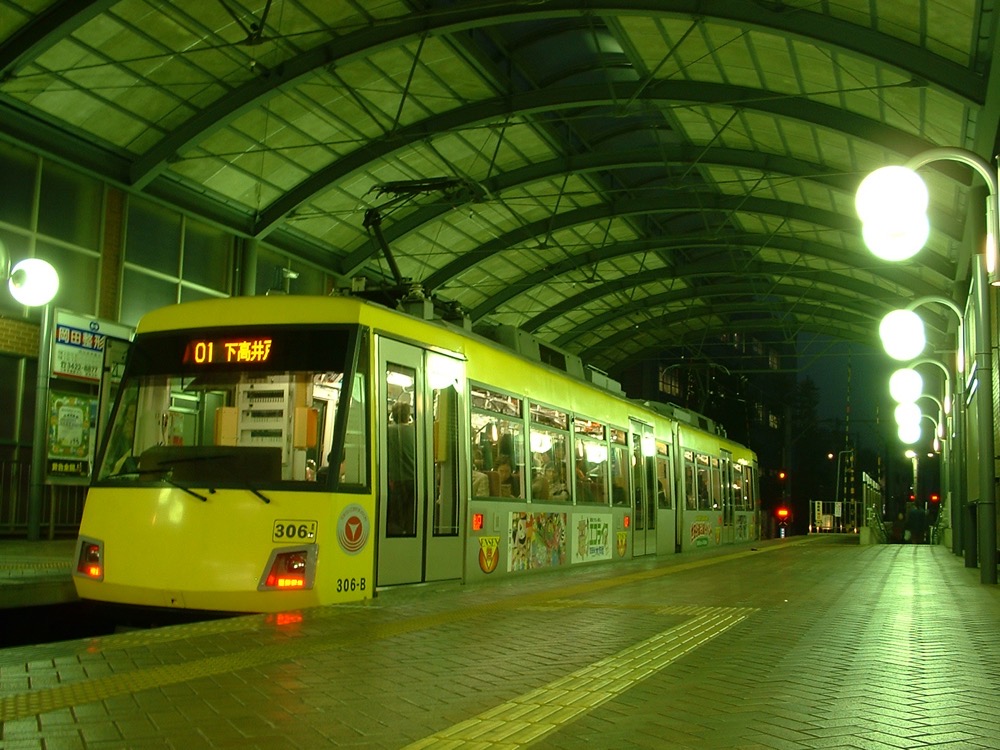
x,y
891,192
905,385
892,205
907,414
896,239
902,334
909,434
33,282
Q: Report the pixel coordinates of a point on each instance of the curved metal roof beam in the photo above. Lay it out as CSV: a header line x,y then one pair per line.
x,y
743,243
668,202
49,27
826,31
826,320
610,160
846,332
793,298
754,285
662,93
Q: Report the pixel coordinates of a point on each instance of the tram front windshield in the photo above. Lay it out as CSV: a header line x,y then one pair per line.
x,y
276,407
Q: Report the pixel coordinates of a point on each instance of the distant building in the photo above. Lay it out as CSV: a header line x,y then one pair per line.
x,y
744,383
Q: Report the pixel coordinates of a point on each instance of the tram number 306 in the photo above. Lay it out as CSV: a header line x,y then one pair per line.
x,y
294,531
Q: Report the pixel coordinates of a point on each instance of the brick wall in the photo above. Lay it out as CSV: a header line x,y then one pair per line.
x,y
18,337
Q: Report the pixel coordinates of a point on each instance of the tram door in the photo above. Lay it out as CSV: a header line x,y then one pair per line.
x,y
727,501
643,490
419,503
666,515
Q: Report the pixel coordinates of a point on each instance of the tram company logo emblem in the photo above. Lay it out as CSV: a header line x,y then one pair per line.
x,y
622,543
352,529
489,553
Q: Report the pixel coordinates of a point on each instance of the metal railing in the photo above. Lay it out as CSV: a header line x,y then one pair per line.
x,y
62,504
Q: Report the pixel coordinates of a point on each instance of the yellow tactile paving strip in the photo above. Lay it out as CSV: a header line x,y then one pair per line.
x,y
530,717
26,704
9,569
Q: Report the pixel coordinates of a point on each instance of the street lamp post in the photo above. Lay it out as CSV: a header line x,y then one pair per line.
x,y
895,227
849,452
34,282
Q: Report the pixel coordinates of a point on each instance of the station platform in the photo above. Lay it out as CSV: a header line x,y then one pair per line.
x,y
36,573
806,642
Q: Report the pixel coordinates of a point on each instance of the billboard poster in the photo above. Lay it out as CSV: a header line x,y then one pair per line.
x,y
700,531
71,425
591,537
78,345
537,540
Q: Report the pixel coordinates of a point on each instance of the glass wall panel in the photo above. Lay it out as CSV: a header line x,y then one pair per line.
x,y
17,247
9,379
142,293
207,256
70,206
190,294
153,237
19,169
77,277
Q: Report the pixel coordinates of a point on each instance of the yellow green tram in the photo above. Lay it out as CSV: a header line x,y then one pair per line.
x,y
274,453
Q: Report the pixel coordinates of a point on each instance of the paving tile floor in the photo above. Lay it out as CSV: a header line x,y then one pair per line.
x,y
801,643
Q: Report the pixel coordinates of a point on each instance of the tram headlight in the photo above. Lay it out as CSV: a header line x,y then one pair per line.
x,y
289,569
90,559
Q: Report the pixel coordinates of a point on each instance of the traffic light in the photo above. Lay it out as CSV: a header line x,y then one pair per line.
x,y
784,515
782,475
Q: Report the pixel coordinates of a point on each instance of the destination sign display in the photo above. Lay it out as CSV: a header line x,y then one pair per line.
x,y
228,351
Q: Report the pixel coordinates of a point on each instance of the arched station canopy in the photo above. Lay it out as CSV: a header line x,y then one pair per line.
x,y
616,177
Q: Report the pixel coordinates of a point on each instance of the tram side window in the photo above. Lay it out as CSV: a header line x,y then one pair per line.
x,y
704,491
590,456
401,451
446,472
354,466
716,478
548,441
620,461
739,497
690,487
664,493
497,449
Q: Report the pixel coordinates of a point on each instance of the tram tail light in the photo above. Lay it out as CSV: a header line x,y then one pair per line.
x,y
289,570
90,560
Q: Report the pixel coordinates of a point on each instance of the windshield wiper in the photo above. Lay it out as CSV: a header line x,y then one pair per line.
x,y
165,471
259,494
188,490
